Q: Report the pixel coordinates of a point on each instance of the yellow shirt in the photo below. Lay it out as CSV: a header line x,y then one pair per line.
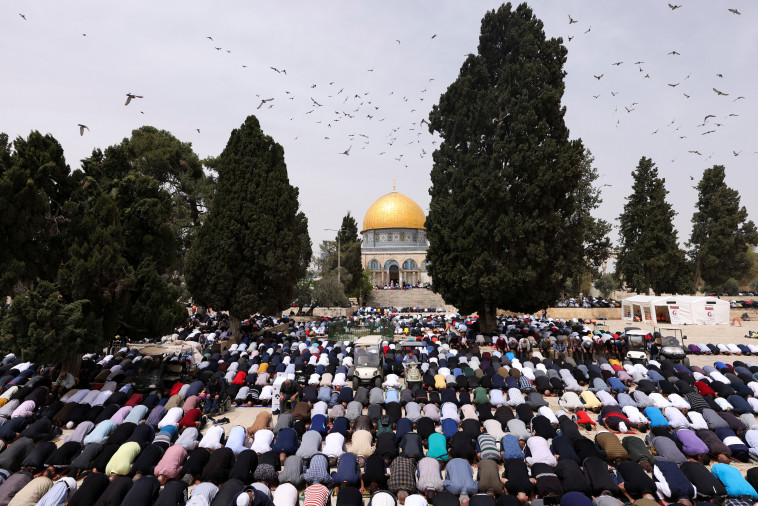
x,y
121,462
590,400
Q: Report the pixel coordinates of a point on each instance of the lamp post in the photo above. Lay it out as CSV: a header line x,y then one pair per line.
x,y
339,251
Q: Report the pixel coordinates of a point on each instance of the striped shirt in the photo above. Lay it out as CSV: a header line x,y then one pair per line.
x,y
487,447
316,495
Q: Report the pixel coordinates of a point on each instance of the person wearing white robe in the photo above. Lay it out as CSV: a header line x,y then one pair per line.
x,y
697,422
675,418
262,441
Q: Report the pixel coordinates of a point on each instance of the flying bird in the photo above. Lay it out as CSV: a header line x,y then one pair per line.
x,y
130,96
22,16
209,37
397,41
706,118
686,96
217,48
263,101
647,76
81,128
674,53
84,35
695,152
736,153
614,93
198,130
738,98
708,132
588,30
674,85
572,20
639,62
369,70
617,63
733,11
433,36
720,92
598,77
596,96
674,7
276,70
347,151
720,75
319,105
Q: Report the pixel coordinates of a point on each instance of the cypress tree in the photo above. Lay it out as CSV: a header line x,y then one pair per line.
x,y
649,255
510,196
253,247
350,248
721,232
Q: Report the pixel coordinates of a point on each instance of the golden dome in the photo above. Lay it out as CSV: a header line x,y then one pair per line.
x,y
394,210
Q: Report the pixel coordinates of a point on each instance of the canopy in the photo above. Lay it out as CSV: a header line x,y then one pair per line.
x,y
676,309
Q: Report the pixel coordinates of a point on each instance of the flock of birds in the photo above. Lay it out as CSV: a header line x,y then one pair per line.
x,y
329,105
706,127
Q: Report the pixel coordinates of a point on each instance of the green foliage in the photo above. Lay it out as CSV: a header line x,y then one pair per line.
x,y
329,292
731,287
365,286
754,285
721,232
153,310
35,185
350,248
103,240
254,245
39,325
304,294
606,284
511,194
649,256
96,268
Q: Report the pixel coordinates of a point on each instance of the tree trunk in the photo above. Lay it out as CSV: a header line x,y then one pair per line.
x,y
487,318
72,365
234,328
201,311
697,274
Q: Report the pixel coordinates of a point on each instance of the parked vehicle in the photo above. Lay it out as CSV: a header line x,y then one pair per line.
x,y
672,345
368,361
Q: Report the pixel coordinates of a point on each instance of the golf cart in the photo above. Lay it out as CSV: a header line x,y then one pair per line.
x,y
413,375
672,345
637,352
368,361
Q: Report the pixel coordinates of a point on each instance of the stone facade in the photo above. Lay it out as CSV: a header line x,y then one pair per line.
x,y
395,255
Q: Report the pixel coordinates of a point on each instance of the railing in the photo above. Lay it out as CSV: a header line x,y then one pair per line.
x,y
349,331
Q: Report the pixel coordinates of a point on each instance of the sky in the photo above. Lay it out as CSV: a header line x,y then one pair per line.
x,y
360,77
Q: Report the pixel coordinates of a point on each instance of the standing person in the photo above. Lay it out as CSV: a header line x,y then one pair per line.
x,y
290,391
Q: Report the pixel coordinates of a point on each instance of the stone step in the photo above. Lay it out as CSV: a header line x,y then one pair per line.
x,y
416,297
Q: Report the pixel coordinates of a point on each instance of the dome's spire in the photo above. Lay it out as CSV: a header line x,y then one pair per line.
x,y
394,185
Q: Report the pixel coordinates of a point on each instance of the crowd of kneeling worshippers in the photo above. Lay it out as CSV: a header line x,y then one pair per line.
x,y
478,430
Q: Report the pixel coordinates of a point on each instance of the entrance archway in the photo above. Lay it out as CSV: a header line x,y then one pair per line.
x,y
394,274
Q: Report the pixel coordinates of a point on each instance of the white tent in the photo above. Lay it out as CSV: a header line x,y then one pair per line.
x,y
676,309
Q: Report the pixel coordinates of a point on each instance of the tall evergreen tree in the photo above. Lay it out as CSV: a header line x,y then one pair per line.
x,y
721,232
508,216
350,255
649,255
253,247
35,185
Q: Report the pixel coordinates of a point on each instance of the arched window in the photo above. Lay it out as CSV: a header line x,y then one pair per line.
x,y
390,263
374,265
410,265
